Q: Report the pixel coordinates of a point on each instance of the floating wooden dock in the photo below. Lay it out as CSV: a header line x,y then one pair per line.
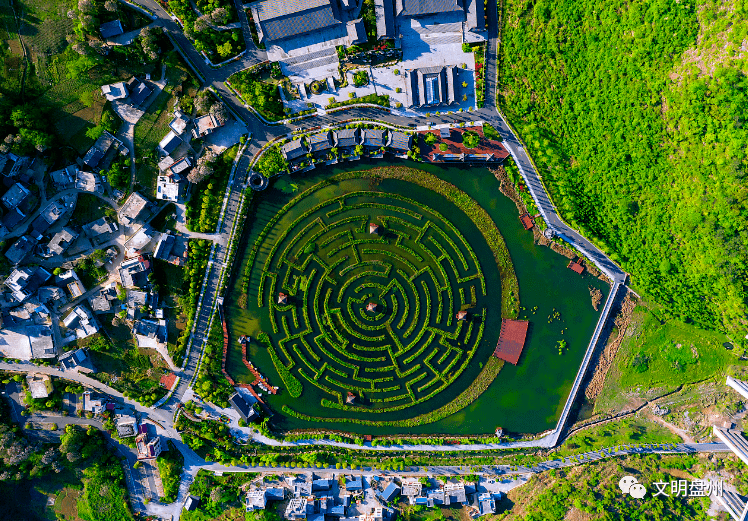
x,y
526,221
511,340
576,266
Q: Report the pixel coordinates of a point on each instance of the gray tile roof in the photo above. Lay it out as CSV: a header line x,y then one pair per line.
x,y
357,31
110,29
373,138
322,141
399,141
425,7
384,11
348,137
139,92
431,86
293,149
281,19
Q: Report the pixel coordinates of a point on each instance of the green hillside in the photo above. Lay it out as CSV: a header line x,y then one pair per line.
x,y
634,112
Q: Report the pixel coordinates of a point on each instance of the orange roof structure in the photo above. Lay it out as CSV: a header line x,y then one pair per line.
x,y
511,340
282,298
168,380
461,315
526,221
372,306
373,228
576,266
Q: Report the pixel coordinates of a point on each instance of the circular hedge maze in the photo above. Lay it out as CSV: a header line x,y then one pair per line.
x,y
363,292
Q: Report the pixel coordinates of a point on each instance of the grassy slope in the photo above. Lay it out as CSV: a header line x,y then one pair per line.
x,y
634,430
637,130
663,365
590,492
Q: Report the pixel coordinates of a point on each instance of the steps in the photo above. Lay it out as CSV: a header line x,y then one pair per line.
x,y
735,505
735,441
739,385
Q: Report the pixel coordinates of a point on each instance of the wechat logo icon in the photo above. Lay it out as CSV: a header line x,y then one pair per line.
x,y
629,485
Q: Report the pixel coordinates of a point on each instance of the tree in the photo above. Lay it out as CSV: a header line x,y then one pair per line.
x,y
216,494
225,50
201,23
82,49
94,132
220,112
203,169
470,139
148,43
86,6
111,6
219,16
203,102
97,46
89,22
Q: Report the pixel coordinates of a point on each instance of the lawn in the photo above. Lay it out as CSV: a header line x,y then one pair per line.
x,y
149,131
168,277
89,208
229,506
137,371
66,504
661,355
635,430
165,219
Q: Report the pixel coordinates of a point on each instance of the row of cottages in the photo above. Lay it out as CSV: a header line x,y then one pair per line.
x,y
373,141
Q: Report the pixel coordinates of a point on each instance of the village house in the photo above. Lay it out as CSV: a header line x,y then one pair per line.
x,y
20,249
204,125
150,333
126,425
88,182
115,91
294,150
15,195
81,320
70,281
133,209
148,447
138,243
134,272
111,29
103,301
40,385
139,91
99,230
77,360
60,242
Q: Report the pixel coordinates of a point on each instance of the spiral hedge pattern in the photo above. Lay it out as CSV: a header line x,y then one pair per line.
x,y
418,270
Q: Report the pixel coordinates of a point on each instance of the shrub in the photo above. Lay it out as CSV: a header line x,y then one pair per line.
x,y
443,147
470,139
361,78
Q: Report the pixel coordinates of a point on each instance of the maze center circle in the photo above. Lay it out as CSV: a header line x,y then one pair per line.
x,y
373,283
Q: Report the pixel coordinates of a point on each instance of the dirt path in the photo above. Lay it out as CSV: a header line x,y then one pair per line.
x,y
672,428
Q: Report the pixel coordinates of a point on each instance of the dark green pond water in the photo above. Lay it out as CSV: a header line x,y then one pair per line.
x,y
527,398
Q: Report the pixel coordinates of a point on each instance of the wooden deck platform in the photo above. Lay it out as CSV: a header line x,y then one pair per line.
x,y
576,266
511,340
526,221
